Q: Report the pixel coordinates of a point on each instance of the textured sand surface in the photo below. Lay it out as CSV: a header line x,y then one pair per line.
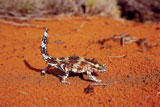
x,y
136,76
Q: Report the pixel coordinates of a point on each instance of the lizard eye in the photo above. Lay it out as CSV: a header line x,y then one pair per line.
x,y
94,60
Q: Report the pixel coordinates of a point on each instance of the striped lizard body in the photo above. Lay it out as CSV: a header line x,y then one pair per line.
x,y
69,64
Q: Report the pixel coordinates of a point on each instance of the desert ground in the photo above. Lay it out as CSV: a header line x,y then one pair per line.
x,y
132,77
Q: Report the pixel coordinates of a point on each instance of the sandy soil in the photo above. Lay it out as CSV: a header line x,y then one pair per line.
x,y
134,73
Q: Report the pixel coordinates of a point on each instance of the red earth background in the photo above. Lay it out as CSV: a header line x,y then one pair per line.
x,y
135,77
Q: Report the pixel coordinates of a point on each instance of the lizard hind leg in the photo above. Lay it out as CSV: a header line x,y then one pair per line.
x,y
44,70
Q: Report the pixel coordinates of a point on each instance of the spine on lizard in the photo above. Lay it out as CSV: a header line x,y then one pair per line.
x,y
44,52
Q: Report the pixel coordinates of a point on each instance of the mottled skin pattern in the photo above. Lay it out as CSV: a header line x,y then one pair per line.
x,y
70,64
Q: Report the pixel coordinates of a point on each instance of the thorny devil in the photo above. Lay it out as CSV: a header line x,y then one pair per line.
x,y
74,64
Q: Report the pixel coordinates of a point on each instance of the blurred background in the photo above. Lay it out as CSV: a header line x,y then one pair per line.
x,y
137,10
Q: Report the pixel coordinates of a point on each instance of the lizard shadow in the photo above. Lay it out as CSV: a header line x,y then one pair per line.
x,y
54,71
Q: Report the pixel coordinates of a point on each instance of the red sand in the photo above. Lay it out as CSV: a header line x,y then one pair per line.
x,y
137,76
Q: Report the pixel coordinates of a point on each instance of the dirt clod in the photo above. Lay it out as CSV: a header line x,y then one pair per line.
x,y
89,89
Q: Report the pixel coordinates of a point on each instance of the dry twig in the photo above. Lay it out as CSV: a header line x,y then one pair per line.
x,y
22,92
123,56
104,84
143,44
81,26
90,88
148,59
20,24
122,39
154,45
